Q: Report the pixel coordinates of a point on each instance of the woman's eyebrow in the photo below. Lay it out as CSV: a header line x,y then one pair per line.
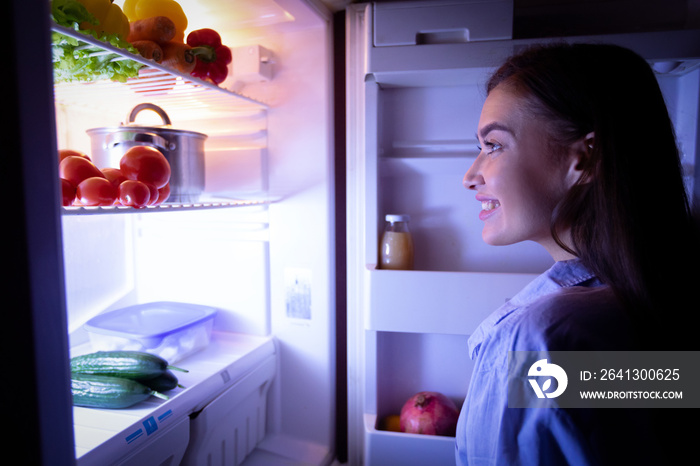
x,y
494,126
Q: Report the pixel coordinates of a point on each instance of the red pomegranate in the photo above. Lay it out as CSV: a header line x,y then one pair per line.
x,y
429,413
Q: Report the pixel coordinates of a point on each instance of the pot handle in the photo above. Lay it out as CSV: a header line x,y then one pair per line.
x,y
137,139
147,106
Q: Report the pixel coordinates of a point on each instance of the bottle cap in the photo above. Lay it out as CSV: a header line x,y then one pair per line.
x,y
397,218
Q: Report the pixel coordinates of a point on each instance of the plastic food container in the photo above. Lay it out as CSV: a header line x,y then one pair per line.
x,y
170,330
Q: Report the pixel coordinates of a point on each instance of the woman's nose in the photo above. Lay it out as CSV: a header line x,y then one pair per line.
x,y
473,177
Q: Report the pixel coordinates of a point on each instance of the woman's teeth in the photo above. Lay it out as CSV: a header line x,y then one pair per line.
x,y
489,205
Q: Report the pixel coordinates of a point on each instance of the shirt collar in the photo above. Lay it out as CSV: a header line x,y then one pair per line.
x,y
560,275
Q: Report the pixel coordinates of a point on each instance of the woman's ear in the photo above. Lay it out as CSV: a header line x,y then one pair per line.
x,y
589,142
580,153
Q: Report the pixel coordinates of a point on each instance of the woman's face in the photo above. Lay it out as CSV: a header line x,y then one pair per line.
x,y
517,178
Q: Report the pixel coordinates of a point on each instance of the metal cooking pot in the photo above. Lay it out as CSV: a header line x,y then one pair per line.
x,y
184,150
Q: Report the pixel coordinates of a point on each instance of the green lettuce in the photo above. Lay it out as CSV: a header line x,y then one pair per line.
x,y
74,60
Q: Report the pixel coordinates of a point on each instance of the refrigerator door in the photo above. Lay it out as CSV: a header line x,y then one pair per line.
x,y
38,342
414,109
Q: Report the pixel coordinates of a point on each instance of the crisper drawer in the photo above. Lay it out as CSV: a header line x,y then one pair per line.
x,y
444,21
166,449
229,428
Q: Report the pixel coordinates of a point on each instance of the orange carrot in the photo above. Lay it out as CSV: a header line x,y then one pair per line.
x,y
149,49
156,28
178,56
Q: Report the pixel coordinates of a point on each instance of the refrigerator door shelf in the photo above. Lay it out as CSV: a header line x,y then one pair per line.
x,y
383,447
433,22
152,428
415,296
469,63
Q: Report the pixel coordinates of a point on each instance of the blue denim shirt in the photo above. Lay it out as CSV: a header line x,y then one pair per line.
x,y
565,309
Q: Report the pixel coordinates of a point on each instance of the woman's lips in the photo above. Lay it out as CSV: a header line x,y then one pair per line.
x,y
488,207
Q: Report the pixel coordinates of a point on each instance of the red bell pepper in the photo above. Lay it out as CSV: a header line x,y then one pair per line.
x,y
212,57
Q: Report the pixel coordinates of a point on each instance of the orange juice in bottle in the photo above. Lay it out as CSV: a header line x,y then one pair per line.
x,y
396,247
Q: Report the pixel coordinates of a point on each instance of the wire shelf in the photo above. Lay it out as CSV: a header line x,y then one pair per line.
x,y
156,82
165,207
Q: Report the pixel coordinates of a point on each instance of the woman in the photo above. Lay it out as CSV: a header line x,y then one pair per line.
x,y
578,153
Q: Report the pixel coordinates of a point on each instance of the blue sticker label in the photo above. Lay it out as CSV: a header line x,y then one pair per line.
x,y
150,425
131,437
165,415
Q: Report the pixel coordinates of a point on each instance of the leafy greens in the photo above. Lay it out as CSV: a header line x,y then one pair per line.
x,y
74,60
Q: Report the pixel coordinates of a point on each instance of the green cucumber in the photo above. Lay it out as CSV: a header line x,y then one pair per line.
x,y
101,391
162,383
135,365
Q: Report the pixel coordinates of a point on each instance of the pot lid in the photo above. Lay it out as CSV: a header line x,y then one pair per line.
x,y
132,125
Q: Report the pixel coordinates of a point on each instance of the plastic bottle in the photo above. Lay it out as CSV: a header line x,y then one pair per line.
x,y
396,247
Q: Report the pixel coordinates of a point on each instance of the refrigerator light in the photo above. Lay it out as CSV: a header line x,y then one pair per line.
x,y
251,64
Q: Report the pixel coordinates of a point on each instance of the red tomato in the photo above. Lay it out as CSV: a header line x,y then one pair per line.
x,y
163,194
76,169
96,191
154,193
134,193
146,164
114,175
67,192
63,153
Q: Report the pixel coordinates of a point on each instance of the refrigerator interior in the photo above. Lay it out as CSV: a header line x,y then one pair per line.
x,y
257,245
415,107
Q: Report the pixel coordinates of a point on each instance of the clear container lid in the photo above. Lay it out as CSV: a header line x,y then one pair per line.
x,y
149,320
397,218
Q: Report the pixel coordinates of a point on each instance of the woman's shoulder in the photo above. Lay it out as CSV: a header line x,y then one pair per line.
x,y
574,318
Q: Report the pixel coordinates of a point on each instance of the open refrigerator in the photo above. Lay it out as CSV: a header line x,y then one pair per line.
x,y
257,245
416,73
293,179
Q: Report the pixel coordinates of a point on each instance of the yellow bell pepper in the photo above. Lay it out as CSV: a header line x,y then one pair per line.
x,y
142,9
110,17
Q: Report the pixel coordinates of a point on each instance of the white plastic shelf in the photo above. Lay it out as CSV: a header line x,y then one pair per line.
x,y
412,299
384,447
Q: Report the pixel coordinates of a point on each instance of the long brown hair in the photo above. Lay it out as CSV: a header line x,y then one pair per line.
x,y
629,214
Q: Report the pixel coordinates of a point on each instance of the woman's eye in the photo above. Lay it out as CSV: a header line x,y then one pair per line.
x,y
490,147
